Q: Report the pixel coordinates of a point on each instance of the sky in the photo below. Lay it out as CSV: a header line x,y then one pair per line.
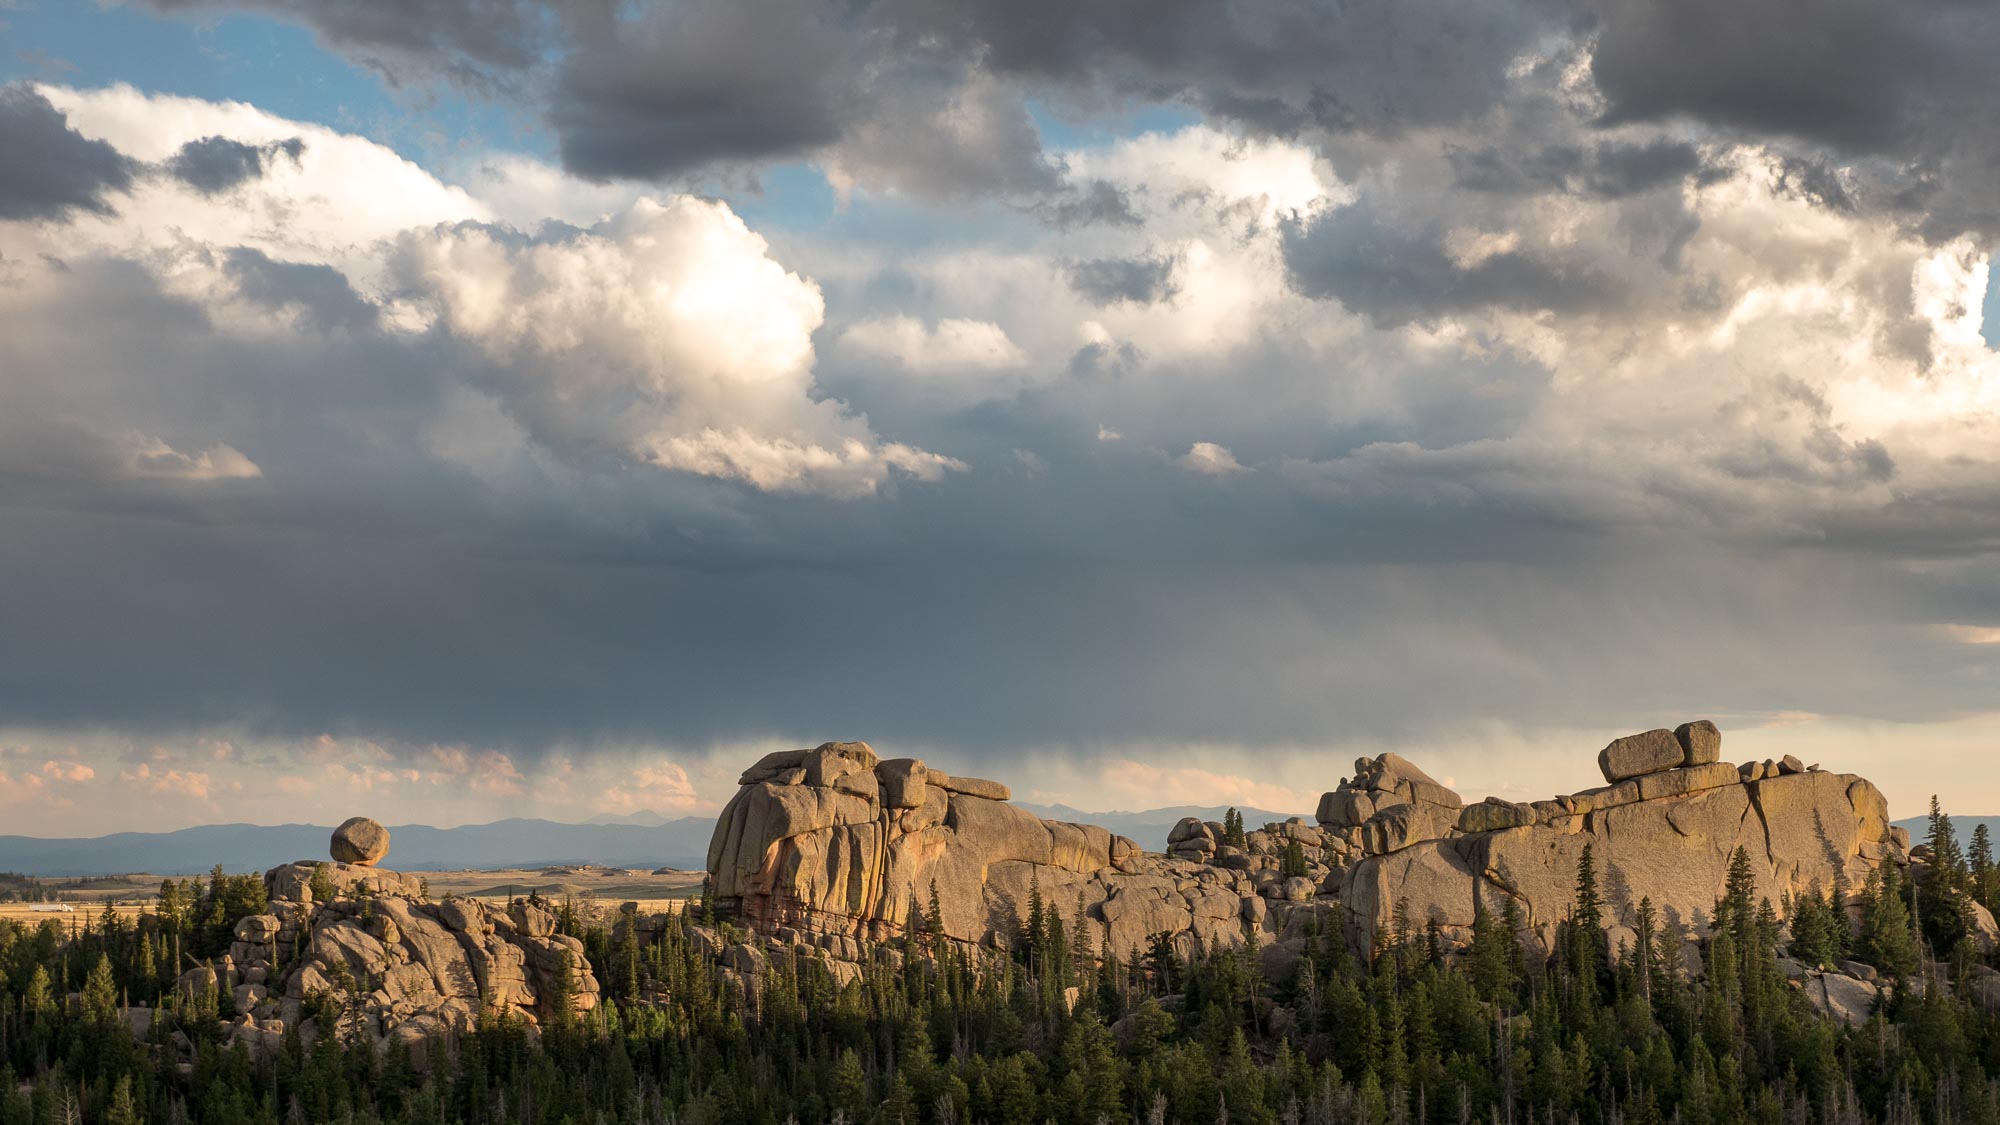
x,y
477,408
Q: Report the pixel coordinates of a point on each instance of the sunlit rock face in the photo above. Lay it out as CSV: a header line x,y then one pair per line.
x,y
834,842
835,845
400,968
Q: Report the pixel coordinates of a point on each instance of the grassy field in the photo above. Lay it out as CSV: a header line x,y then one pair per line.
x,y
588,886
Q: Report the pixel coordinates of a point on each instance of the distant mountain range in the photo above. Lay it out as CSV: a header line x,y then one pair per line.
x,y
642,839
1961,826
239,848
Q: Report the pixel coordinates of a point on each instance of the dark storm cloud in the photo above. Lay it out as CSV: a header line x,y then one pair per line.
x,y
1371,65
1606,171
676,88
366,587
880,87
657,92
1375,266
1817,180
213,165
1141,280
1095,203
1858,75
322,292
49,169
487,45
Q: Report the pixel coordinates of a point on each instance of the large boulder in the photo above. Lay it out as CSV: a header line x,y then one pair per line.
x,y
1636,755
1701,742
360,841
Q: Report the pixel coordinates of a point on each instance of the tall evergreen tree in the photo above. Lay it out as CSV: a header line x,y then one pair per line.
x,y
1985,876
1944,901
1887,940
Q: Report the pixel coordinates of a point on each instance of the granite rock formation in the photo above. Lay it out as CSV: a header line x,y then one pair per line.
x,y
395,966
835,846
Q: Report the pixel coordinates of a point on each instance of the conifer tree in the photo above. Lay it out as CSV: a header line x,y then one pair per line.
x,y
1586,924
1985,876
100,991
1887,940
1944,898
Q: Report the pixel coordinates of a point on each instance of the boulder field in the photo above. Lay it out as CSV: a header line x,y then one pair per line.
x,y
833,845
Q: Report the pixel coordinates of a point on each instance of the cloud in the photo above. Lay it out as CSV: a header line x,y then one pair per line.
x,y
213,165
1609,170
1539,401
952,344
68,771
669,90
1864,80
658,787
1091,203
1378,266
1107,281
195,784
1209,459
151,457
320,293
52,170
665,333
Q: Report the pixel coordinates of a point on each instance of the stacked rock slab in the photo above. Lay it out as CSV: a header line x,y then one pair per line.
x,y
834,845
1387,805
406,969
1664,827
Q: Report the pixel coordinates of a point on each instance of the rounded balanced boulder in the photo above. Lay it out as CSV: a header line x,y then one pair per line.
x,y
360,840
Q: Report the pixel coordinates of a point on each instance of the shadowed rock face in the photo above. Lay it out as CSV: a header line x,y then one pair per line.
x,y
836,842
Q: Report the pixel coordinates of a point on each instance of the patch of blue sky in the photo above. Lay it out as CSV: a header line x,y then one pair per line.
x,y
1989,324
274,65
1063,129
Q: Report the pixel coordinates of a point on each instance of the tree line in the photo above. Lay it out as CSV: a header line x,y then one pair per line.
x,y
933,1032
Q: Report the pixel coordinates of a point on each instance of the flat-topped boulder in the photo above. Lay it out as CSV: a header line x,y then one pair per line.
x,y
1698,743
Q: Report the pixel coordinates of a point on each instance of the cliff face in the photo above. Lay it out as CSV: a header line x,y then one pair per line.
x,y
1800,830
833,844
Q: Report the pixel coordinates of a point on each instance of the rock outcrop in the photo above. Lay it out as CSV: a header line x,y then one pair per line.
x,y
1665,829
367,944
833,845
